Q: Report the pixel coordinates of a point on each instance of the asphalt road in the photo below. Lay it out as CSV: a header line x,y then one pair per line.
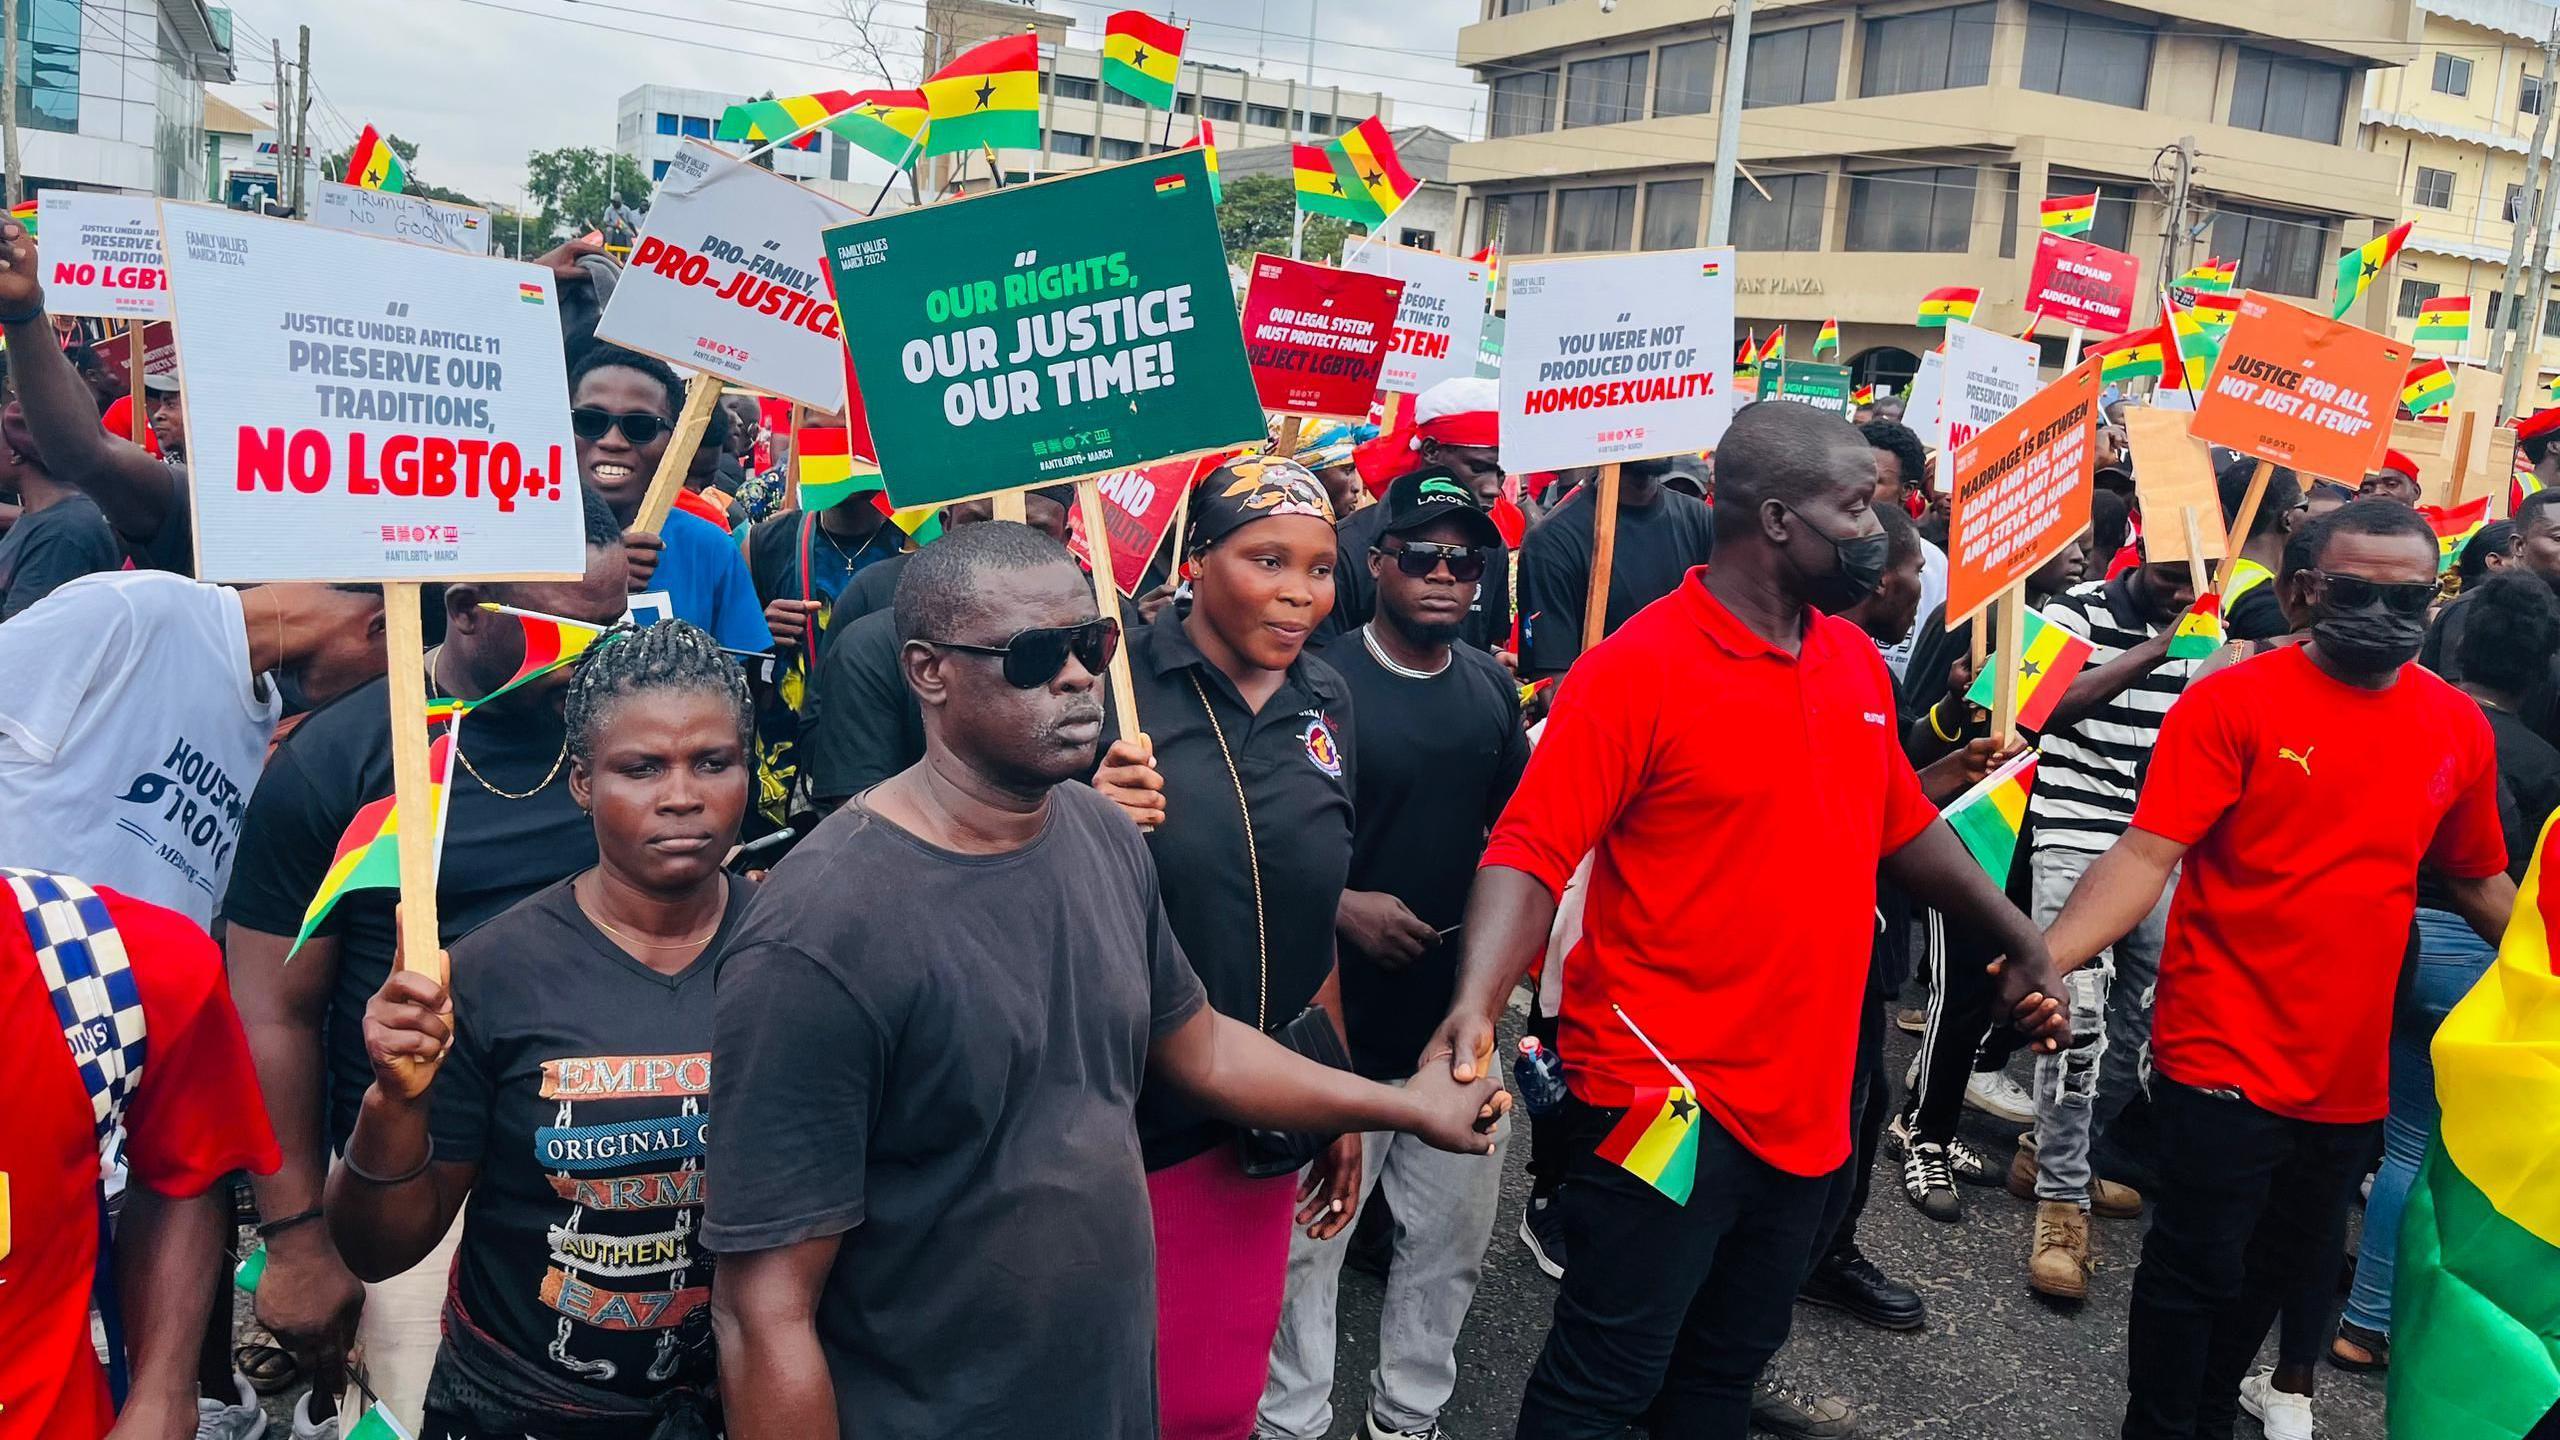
x,y
1995,1360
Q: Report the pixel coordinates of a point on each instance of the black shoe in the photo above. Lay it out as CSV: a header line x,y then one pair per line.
x,y
1848,1280
1542,1230
1777,1409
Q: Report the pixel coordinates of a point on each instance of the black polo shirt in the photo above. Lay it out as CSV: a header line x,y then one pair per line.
x,y
1295,763
1355,595
1658,545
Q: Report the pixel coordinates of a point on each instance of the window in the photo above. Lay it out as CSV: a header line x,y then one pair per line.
x,y
1928,209
2497,300
2551,319
2279,95
2087,57
1518,221
1523,7
1793,67
657,170
1524,104
49,64
1605,92
1932,50
1114,97
2416,293
2434,189
1121,149
1067,142
2278,250
1217,109
1185,103
666,123
2515,203
1269,117
2113,226
1789,219
1600,218
1671,213
2453,75
1685,81
2529,98
1413,239
697,126
1071,87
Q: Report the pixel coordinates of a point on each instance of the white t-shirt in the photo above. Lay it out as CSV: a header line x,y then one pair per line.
x,y
131,733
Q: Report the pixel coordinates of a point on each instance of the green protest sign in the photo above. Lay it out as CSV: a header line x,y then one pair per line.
x,y
1041,332
1824,387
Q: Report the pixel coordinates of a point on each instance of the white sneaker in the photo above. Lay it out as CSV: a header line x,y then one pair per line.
x,y
1375,1431
2281,1413
306,1428
244,1421
1998,1096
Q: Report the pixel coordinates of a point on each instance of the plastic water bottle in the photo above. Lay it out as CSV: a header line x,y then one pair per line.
x,y
1538,1074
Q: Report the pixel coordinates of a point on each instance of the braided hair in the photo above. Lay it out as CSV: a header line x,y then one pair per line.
x,y
630,660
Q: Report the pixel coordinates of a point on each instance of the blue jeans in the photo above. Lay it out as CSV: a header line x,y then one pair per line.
x,y
2450,959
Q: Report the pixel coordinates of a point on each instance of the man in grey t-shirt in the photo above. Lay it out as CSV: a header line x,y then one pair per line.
x,y
931,1029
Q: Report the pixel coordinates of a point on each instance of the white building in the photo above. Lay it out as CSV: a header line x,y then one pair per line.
x,y
652,122
111,95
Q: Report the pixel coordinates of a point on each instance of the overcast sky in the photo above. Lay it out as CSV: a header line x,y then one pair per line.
x,y
479,84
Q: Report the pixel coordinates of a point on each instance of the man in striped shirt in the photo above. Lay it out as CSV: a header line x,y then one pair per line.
x,y
2094,748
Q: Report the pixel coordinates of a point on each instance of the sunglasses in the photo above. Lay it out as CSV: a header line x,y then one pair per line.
x,y
1418,558
639,427
1033,658
2350,592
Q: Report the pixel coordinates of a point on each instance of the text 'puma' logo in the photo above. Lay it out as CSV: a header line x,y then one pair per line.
x,y
2302,758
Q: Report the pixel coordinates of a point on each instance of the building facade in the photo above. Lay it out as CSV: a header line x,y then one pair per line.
x,y
111,93
2457,123
653,122
1894,147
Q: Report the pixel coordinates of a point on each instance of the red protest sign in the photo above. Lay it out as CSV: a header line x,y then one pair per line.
x,y
2077,283
159,352
1316,336
2021,491
2302,390
1137,508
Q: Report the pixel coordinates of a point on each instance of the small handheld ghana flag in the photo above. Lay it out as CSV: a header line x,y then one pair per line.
x,y
1656,1141
376,1424
2454,526
24,212
1987,817
1864,395
2054,657
1827,338
828,471
1142,57
374,165
550,642
989,96
1365,158
1206,142
886,124
2127,357
1320,190
2068,214
922,523
2429,384
368,856
1776,349
2444,320
2359,267
1948,302
2199,631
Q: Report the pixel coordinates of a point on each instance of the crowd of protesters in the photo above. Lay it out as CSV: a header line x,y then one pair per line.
x,y
1052,1067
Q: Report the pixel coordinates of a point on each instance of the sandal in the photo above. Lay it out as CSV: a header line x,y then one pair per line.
x,y
268,1367
2375,1344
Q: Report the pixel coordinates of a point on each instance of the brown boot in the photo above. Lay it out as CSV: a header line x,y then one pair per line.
x,y
2108,1200
2022,1168
2060,1265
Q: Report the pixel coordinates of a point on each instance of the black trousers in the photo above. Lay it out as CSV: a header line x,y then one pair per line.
x,y
1667,1312
1869,1099
2249,1202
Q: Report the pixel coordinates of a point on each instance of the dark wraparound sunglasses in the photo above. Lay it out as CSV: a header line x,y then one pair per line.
x,y
2351,592
1418,558
1033,658
639,427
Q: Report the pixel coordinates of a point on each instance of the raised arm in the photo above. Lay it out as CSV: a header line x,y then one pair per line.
x,y
391,1197
2095,685
137,492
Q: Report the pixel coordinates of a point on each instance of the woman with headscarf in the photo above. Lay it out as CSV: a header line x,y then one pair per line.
x,y
1243,781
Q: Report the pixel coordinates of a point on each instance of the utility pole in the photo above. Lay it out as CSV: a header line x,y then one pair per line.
x,y
1737,57
2536,202
301,124
2179,160
9,100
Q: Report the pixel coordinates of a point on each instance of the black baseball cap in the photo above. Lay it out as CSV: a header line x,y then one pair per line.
x,y
1431,494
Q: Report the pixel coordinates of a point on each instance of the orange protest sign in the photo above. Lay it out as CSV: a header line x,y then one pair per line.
x,y
2302,390
2021,491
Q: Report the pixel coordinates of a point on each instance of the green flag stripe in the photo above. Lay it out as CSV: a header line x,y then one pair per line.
x,y
1985,833
1137,84
2475,1316
1004,129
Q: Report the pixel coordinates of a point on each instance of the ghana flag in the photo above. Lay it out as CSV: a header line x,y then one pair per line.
x,y
1776,349
2054,657
1948,302
2068,214
1365,159
1656,1141
2454,526
2199,631
368,856
1141,57
2359,267
2429,385
922,523
1863,396
781,120
1987,817
2127,357
2476,1295
990,96
1827,338
889,124
550,642
2445,320
374,165
1320,190
829,474
1206,142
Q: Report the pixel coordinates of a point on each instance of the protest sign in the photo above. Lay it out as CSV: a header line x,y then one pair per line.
x,y
159,354
2021,492
1041,332
1315,336
100,254
1618,357
2175,475
1138,507
1489,348
2302,390
1921,403
1440,326
1987,375
463,229
363,410
725,278
1824,387
2077,283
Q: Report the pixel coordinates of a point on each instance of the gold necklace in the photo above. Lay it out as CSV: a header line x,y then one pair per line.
x,y
598,920
553,774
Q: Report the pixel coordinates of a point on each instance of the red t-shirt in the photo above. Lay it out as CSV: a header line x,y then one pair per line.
x,y
198,1116
2307,805
1737,799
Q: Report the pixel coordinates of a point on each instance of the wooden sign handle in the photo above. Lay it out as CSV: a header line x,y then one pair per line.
x,y
1980,647
411,784
1009,505
2240,523
1106,595
2195,548
134,387
2012,620
1604,556
1291,426
699,398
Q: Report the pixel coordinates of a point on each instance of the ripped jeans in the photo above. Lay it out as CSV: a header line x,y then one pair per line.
x,y
2080,1090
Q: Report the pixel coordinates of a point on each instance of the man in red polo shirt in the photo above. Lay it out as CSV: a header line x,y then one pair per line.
x,y
195,1116
2303,790
1731,905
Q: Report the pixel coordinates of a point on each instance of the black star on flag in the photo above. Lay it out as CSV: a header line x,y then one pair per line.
x,y
2028,669
1680,1108
986,92
2371,270
1140,58
1373,179
1337,185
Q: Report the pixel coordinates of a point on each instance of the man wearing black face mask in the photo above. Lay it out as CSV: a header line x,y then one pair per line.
x,y
1726,936
2284,943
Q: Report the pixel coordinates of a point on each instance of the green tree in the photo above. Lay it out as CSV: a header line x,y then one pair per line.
x,y
571,186
334,165
1257,215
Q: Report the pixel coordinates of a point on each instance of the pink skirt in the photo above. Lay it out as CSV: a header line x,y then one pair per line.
x,y
1222,1268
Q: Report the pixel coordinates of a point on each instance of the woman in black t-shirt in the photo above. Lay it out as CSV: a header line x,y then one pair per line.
x,y
1244,782
564,1083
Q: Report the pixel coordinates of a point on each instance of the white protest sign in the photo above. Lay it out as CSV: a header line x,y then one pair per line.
x,y
1988,374
361,409
463,229
1619,357
727,277
1440,322
1920,407
99,254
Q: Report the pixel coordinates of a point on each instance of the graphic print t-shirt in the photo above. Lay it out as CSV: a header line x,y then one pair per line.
x,y
580,1082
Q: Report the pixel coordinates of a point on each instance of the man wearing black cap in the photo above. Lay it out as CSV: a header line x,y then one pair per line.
x,y
1436,724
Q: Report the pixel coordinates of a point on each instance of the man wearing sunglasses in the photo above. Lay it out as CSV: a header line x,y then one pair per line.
x,y
2301,792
